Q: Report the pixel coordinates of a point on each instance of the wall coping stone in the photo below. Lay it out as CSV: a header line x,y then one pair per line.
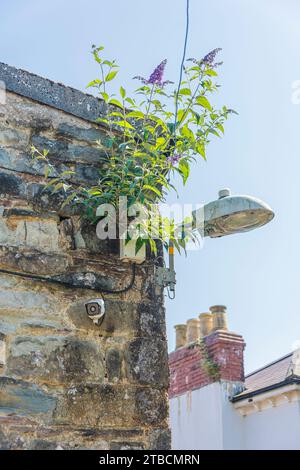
x,y
53,94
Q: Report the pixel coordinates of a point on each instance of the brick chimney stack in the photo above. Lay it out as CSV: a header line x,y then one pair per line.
x,y
207,352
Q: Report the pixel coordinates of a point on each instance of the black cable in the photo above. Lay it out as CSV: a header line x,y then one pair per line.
x,y
183,59
171,296
35,277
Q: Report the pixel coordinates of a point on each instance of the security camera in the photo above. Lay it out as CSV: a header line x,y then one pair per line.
x,y
95,310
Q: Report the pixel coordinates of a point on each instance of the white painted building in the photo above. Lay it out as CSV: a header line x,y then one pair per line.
x,y
260,412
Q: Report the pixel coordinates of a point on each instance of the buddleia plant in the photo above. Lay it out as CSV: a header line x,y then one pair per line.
x,y
151,136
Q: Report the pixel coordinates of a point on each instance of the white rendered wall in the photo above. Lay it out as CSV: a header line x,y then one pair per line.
x,y
196,419
206,419
274,428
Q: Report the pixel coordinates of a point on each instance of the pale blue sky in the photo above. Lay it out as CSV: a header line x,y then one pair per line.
x,y
256,274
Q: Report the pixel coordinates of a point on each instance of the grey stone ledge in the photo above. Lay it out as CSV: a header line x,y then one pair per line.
x,y
53,94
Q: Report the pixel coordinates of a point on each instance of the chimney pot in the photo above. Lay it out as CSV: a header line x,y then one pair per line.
x,y
193,330
219,316
206,323
180,335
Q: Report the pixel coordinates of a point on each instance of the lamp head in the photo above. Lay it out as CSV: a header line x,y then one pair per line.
x,y
231,214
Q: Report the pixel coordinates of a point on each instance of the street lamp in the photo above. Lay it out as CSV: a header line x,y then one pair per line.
x,y
229,214
226,215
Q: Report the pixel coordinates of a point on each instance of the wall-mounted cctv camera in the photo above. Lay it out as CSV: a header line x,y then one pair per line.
x,y
95,310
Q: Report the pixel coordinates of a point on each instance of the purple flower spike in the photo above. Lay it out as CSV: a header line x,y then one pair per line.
x,y
208,60
157,75
143,80
210,57
174,159
156,78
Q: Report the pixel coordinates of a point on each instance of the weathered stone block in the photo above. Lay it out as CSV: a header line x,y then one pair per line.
x,y
86,174
11,185
10,137
152,320
55,359
39,444
25,399
94,244
33,261
152,406
121,318
113,361
32,321
23,300
147,361
5,158
21,161
91,134
40,234
44,200
5,444
97,406
67,152
66,235
126,446
112,405
160,439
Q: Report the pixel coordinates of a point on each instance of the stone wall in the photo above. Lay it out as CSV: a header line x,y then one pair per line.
x,y
65,382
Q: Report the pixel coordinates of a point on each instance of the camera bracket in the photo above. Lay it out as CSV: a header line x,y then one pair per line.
x,y
165,277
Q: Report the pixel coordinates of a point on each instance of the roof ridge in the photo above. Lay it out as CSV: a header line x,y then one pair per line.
x,y
269,364
249,393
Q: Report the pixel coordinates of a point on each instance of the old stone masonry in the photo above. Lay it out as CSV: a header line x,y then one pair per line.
x,y
65,382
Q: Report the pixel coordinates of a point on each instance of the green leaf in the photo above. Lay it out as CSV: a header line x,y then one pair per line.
x,y
211,72
160,142
153,246
97,49
94,83
124,124
185,169
185,91
104,96
69,199
136,114
214,132
111,75
139,244
67,173
187,133
116,103
151,188
47,171
181,115
130,101
116,114
109,143
201,149
122,92
203,101
220,127
171,126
